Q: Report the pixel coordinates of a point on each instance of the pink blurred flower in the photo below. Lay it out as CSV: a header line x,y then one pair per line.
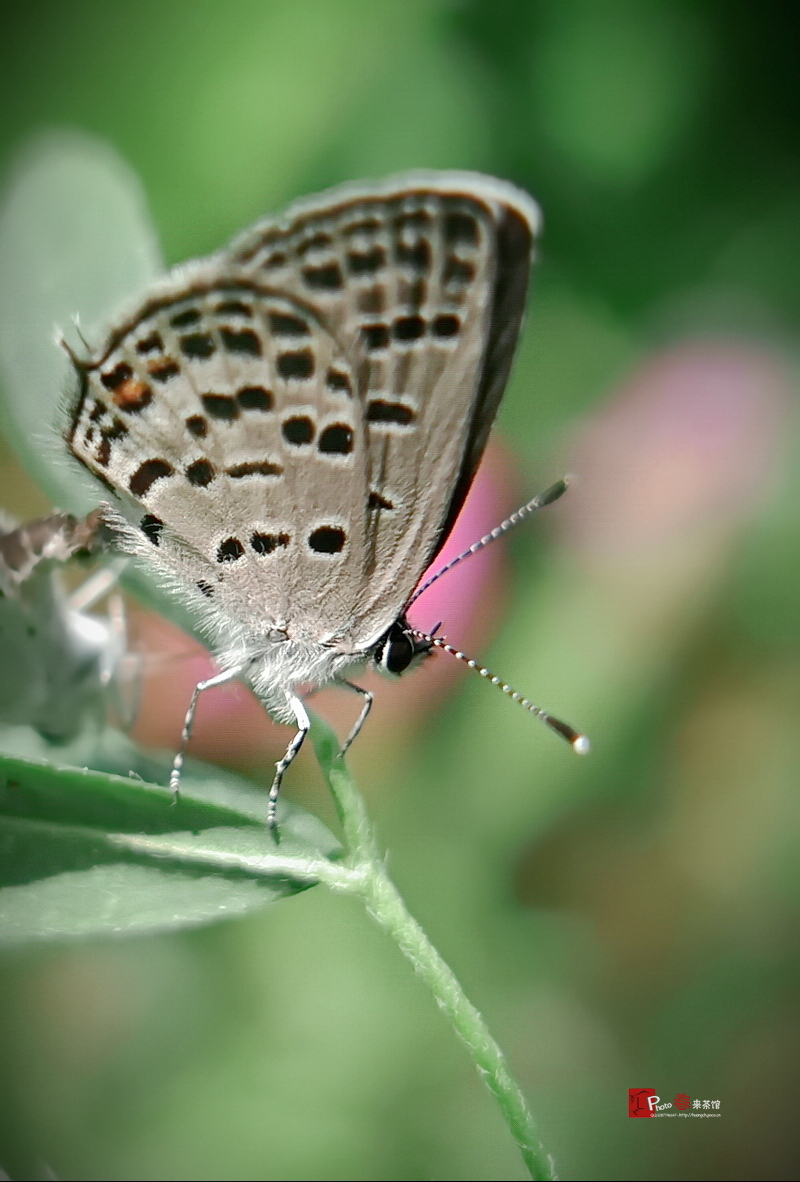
x,y
689,442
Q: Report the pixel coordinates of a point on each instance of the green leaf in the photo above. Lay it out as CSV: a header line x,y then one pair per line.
x,y
77,247
85,853
75,242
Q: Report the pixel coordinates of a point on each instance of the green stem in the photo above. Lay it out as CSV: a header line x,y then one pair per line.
x,y
386,905
358,836
369,880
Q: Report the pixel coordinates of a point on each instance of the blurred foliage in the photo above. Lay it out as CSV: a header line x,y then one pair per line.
x,y
630,920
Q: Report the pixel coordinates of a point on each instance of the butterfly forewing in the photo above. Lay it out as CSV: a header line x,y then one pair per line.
x,y
301,415
424,285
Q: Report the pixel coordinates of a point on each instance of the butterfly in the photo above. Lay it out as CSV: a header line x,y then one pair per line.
x,y
290,427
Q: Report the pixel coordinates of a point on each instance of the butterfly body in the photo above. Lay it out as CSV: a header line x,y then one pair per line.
x,y
290,427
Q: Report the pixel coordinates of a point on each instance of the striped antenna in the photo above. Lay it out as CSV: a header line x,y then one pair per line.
x,y
546,498
579,743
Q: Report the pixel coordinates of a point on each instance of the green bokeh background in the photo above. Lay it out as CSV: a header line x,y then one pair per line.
x,y
629,920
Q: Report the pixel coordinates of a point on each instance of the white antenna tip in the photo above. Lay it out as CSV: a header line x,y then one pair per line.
x,y
581,745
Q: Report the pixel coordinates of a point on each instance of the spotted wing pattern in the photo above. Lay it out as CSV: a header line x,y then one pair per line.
x,y
217,411
302,414
422,280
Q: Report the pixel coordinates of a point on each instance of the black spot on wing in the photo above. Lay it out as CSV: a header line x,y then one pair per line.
x,y
163,369
200,473
267,543
445,326
457,272
366,262
325,278
254,468
340,382
150,344
255,398
318,241
147,474
234,308
230,550
117,376
408,328
460,227
185,318
328,539
198,426
337,439
107,437
284,324
198,346
380,411
298,430
242,340
220,406
296,365
103,453
376,336
416,255
151,527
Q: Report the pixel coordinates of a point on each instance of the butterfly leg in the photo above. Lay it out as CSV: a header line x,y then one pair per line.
x,y
97,586
188,722
303,725
362,718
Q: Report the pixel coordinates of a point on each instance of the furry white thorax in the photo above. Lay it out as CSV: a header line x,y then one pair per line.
x,y
291,666
273,664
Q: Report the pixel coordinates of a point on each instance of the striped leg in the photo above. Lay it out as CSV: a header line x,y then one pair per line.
x,y
188,722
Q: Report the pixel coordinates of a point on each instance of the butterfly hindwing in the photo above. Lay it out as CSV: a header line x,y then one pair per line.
x,y
226,415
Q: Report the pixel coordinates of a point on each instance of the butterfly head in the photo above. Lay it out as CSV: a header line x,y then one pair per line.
x,y
399,647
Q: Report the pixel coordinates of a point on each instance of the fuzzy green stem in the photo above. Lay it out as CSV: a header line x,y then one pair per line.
x,y
369,880
358,836
386,905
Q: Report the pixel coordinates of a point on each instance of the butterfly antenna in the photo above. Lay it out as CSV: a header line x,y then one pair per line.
x,y
80,363
76,324
578,742
545,498
64,344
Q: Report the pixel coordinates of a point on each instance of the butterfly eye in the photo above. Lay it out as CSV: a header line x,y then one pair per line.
x,y
394,651
398,647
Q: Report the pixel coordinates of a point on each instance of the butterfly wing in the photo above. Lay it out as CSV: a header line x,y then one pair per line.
x,y
222,416
422,280
297,420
